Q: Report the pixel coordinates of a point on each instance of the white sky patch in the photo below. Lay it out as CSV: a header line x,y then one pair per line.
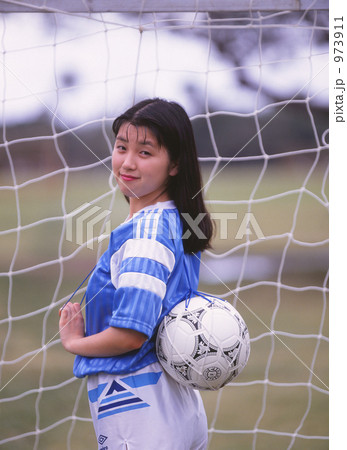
x,y
83,70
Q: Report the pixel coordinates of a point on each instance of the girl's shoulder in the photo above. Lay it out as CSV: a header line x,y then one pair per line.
x,y
160,222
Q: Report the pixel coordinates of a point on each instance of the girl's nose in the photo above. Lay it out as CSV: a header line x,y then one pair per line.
x,y
129,162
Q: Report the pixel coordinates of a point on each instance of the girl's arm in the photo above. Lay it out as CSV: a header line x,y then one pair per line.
x,y
110,342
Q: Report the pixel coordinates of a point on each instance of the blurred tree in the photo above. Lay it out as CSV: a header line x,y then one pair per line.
x,y
238,37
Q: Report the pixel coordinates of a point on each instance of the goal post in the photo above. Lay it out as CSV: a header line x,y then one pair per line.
x,y
104,6
253,77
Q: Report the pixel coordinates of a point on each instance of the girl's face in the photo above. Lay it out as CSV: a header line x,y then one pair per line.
x,y
141,166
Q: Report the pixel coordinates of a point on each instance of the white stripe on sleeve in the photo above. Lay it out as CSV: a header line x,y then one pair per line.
x,y
142,281
149,248
143,248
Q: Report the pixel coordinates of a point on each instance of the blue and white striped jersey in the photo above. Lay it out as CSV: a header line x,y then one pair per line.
x,y
142,275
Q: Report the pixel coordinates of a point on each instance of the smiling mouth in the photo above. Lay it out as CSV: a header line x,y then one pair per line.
x,y
126,177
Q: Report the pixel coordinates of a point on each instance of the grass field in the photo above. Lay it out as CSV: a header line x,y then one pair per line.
x,y
283,389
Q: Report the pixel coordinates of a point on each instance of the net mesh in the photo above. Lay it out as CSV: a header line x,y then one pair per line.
x,y
255,86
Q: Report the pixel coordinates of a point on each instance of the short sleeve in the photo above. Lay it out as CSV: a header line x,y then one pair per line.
x,y
140,270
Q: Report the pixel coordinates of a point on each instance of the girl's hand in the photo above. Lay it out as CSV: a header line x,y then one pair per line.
x,y
109,342
71,325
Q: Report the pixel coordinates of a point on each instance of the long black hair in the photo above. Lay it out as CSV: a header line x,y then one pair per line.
x,y
171,126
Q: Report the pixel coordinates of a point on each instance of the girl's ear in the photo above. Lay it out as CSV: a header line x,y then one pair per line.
x,y
173,169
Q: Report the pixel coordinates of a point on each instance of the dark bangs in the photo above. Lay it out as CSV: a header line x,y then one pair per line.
x,y
137,123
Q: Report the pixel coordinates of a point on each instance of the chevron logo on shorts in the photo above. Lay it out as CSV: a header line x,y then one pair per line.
x,y
117,398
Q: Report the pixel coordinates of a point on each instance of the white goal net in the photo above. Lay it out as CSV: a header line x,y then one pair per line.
x,y
253,78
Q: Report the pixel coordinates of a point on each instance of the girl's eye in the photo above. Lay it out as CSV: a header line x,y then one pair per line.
x,y
145,153
121,148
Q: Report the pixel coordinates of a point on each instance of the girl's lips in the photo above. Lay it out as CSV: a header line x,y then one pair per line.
x,y
127,177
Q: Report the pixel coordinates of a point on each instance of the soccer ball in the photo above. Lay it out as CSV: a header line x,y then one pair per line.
x,y
203,344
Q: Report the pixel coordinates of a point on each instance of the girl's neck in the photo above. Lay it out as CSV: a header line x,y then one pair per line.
x,y
136,204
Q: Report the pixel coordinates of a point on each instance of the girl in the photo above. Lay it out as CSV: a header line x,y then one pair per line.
x,y
151,264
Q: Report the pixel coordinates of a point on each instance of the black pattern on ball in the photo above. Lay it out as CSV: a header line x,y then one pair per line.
x,y
204,345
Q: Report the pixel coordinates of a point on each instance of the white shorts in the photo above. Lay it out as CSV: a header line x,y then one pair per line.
x,y
146,410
